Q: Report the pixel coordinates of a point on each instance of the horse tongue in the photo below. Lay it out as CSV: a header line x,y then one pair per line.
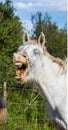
x,y
22,75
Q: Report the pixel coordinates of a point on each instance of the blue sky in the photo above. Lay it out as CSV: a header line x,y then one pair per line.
x,y
57,9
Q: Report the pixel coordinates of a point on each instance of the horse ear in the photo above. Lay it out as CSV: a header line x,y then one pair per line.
x,y
41,39
25,38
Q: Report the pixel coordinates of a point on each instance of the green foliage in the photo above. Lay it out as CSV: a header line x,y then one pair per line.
x,y
10,35
10,39
7,9
56,39
32,118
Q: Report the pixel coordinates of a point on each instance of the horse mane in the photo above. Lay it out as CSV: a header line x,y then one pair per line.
x,y
59,61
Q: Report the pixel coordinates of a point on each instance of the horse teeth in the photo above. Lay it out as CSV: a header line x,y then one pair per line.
x,y
20,66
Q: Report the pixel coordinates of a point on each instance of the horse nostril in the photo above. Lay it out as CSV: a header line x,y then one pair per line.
x,y
25,56
19,56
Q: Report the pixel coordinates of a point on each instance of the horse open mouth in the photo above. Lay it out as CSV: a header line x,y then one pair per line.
x,y
21,70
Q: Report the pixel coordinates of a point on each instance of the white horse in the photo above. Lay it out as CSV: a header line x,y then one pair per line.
x,y
33,62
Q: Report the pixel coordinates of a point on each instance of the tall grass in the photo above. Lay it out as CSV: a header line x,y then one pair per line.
x,y
22,116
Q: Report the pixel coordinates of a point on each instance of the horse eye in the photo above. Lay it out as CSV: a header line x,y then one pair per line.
x,y
36,51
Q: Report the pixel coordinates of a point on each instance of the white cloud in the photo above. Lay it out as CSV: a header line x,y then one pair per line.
x,y
45,4
22,5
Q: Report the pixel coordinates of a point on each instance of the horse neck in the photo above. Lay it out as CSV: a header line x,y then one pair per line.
x,y
50,77
49,71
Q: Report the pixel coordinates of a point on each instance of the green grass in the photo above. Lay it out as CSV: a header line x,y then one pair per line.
x,y
34,118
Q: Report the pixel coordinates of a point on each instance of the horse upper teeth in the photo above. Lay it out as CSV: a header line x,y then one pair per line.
x,y
18,67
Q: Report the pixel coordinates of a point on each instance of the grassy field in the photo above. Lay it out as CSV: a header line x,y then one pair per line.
x,y
26,113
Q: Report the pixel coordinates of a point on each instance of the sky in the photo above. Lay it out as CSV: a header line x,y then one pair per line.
x,y
57,10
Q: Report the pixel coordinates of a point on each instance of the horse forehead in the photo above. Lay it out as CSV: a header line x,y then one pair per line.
x,y
32,47
29,48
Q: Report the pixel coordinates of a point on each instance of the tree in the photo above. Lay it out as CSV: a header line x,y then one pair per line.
x,y
56,39
11,32
8,11
1,8
10,27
